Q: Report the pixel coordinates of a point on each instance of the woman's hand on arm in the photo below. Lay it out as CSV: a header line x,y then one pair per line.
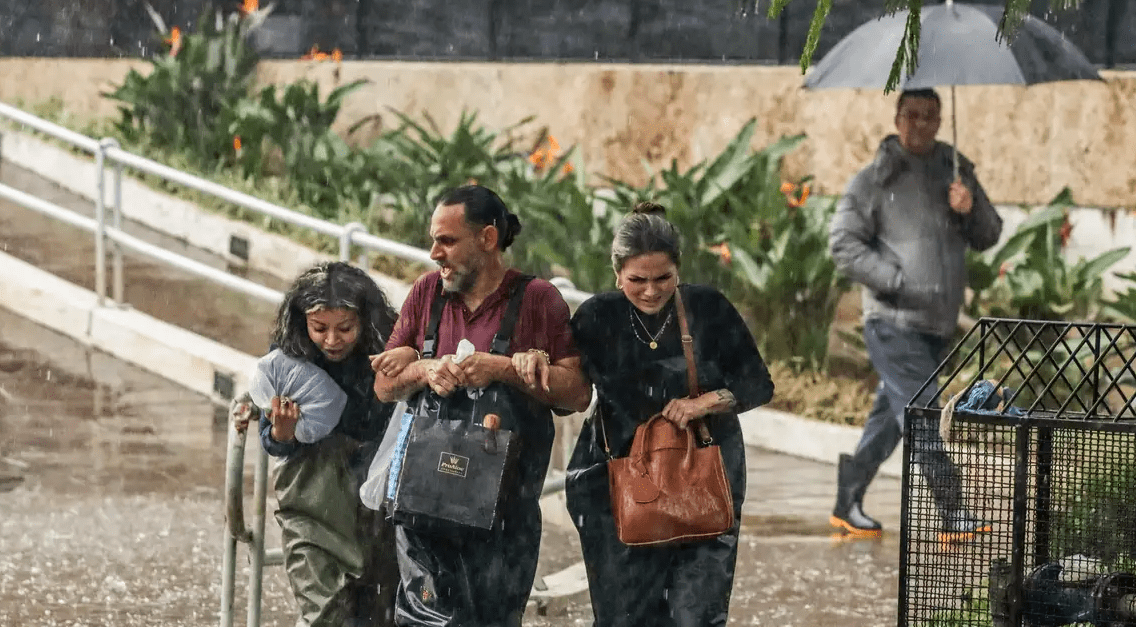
x,y
391,363
682,410
534,368
561,384
412,377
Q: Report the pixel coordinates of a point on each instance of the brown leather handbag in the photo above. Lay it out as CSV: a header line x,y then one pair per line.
x,y
670,490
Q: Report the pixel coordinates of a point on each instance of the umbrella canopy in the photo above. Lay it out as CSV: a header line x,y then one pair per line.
x,y
958,45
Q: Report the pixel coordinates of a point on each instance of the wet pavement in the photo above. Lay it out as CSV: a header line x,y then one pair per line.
x,y
111,481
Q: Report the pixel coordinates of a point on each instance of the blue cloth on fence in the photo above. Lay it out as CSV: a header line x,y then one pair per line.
x,y
984,397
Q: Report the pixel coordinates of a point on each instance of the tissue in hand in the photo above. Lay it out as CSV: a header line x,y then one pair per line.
x,y
465,349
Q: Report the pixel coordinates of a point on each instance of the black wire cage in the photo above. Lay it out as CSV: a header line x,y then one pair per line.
x,y
1019,491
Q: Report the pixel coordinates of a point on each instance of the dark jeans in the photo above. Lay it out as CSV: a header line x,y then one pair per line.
x,y
904,359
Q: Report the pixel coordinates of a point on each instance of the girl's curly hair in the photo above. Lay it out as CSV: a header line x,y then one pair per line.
x,y
333,285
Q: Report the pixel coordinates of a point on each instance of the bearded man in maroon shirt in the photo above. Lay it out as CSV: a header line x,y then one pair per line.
x,y
474,579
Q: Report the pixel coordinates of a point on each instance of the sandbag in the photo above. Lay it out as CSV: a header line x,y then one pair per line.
x,y
320,399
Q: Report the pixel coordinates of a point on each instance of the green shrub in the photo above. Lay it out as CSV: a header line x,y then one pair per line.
x,y
1029,277
189,97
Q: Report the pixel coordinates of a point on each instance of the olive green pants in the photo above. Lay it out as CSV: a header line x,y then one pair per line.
x,y
338,554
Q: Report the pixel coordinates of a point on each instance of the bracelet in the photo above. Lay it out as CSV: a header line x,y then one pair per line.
x,y
547,359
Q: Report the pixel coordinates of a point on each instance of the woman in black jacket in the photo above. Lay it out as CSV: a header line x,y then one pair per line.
x,y
632,352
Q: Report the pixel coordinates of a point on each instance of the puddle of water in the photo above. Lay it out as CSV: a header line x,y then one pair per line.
x,y
73,419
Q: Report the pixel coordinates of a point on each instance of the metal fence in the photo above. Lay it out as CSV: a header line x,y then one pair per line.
x,y
110,161
713,31
1041,426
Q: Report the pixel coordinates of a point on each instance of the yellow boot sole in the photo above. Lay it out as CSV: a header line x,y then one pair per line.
x,y
854,532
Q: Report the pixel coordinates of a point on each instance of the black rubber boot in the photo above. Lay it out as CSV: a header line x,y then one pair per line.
x,y
851,483
961,526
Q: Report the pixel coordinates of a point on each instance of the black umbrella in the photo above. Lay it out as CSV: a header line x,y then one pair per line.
x,y
958,45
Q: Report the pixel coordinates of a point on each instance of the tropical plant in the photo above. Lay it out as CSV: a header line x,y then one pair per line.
x,y
419,162
1122,306
1029,277
293,125
563,226
187,99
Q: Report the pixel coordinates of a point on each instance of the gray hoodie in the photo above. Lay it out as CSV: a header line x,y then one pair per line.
x,y
895,234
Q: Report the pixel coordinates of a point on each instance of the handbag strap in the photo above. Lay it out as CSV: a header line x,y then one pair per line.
x,y
691,369
687,346
504,336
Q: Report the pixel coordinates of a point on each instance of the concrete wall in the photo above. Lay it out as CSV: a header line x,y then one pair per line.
x,y
1028,142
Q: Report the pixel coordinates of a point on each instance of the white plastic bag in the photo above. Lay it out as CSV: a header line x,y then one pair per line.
x,y
319,397
375,489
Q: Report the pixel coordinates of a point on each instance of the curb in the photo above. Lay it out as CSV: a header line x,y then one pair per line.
x,y
808,439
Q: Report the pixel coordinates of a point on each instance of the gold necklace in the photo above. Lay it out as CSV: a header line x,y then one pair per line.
x,y
654,343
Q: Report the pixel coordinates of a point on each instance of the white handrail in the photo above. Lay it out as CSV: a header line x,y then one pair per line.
x,y
48,128
141,247
348,235
119,156
149,166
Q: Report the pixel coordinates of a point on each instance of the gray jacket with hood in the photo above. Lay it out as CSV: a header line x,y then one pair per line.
x,y
895,234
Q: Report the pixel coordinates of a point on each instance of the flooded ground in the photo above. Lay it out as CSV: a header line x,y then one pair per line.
x,y
111,479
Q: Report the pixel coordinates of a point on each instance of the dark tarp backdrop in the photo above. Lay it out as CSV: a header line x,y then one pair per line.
x,y
731,31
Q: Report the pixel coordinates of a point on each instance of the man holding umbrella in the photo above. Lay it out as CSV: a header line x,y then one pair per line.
x,y
902,230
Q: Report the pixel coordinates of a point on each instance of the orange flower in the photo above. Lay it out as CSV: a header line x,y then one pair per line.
x,y
315,55
336,55
723,251
249,6
237,145
795,201
546,154
174,40
1065,232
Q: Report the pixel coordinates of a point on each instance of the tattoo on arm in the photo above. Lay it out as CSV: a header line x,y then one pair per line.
x,y
726,398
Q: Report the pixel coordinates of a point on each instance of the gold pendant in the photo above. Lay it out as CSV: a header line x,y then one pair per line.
x,y
653,345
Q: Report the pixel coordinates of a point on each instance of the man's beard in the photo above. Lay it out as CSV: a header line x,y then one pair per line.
x,y
461,281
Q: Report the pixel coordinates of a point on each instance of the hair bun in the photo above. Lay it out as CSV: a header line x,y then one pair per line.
x,y
513,227
650,208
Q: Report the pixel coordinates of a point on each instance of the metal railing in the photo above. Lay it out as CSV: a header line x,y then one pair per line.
x,y
108,153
